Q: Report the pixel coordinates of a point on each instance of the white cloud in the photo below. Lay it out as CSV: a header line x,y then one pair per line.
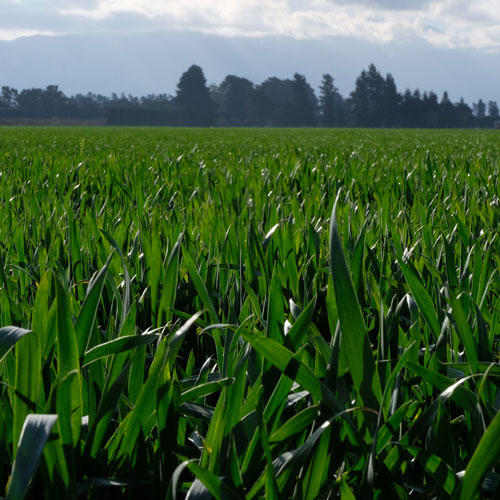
x,y
7,35
461,23
254,17
444,23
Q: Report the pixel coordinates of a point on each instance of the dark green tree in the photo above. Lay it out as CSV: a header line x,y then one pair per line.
x,y
194,98
305,103
375,99
290,103
430,110
410,109
327,101
390,102
278,95
479,109
236,101
8,103
447,116
493,109
42,103
463,114
260,108
8,98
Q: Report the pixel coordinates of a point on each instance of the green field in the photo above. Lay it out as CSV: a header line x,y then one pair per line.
x,y
249,313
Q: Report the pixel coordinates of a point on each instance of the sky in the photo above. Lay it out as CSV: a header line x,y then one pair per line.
x,y
436,36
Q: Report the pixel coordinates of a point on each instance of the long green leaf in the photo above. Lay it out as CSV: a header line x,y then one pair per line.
x,y
287,363
115,346
439,470
9,335
40,313
201,288
461,395
422,298
217,487
169,287
69,407
485,456
35,433
88,314
205,389
70,388
301,324
354,332
465,333
27,381
296,424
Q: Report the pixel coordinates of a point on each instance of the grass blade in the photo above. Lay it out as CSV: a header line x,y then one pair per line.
x,y
35,433
486,454
88,314
27,381
115,346
422,298
354,333
68,366
212,483
437,468
289,364
9,335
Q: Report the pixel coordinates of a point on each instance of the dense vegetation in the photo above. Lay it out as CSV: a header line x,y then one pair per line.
x,y
250,313
236,101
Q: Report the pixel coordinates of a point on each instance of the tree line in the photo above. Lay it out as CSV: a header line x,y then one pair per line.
x,y
236,101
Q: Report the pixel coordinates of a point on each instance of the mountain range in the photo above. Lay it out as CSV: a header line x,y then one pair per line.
x,y
143,63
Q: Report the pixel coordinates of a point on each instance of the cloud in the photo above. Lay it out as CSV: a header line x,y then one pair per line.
x,y
294,18
462,24
8,35
443,23
392,5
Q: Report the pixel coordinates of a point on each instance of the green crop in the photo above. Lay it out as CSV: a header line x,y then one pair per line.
x,y
249,313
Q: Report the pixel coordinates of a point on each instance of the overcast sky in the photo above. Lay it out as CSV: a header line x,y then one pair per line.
x,y
444,23
451,25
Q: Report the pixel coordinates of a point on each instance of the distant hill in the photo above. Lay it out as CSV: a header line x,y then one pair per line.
x,y
143,63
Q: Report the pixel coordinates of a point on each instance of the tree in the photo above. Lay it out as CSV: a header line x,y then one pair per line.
x,y
305,102
260,108
8,103
447,118
374,99
411,109
290,103
88,106
327,104
8,98
194,98
430,110
479,109
463,114
278,95
40,103
235,96
493,109
390,101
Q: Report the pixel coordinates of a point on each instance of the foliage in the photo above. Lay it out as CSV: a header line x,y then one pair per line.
x,y
249,313
194,99
328,102
236,101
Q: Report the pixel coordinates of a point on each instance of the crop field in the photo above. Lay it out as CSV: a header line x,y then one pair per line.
x,y
238,313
